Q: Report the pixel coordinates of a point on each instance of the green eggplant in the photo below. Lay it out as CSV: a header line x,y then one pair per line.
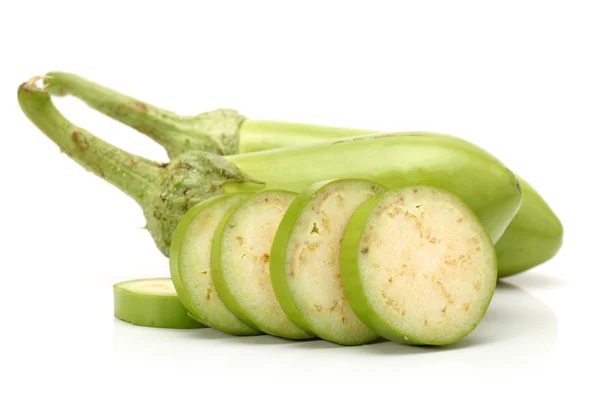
x,y
533,237
167,191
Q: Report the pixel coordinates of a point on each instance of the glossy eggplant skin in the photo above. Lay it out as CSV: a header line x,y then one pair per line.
x,y
488,187
533,237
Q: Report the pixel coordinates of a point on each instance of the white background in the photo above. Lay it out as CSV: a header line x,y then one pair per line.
x,y
519,78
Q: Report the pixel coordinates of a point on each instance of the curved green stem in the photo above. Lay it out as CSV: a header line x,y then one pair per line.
x,y
133,174
215,131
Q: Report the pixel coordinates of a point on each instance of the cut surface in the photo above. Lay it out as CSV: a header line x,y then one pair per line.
x,y
151,302
242,262
190,265
419,266
154,287
311,268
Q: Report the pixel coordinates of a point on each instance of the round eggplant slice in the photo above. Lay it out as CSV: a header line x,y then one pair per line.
x,y
305,264
417,266
190,265
240,263
151,302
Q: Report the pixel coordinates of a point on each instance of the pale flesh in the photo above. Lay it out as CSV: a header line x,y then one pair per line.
x,y
154,287
312,269
196,273
245,253
426,265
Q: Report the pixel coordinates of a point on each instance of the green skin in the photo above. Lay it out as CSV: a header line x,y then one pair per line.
x,y
278,269
151,310
352,282
223,288
175,264
393,160
167,191
533,237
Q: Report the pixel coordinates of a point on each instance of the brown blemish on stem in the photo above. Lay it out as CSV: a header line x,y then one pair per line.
x,y
265,258
466,307
364,250
459,220
240,240
208,293
204,273
477,285
318,307
140,108
80,141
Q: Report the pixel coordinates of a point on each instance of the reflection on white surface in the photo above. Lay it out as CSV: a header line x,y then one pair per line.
x,y
517,330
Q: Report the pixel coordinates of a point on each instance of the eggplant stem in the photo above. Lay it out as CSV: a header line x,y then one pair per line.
x,y
133,174
215,131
